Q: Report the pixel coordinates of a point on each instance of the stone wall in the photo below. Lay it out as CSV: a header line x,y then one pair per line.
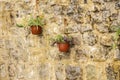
x,y
24,56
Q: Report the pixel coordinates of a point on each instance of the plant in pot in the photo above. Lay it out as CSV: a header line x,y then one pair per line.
x,y
63,42
35,25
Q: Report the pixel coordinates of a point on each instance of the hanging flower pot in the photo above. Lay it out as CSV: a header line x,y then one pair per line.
x,y
35,24
64,47
63,42
36,30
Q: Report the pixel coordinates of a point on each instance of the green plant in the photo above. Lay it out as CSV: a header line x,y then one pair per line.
x,y
38,21
116,38
62,39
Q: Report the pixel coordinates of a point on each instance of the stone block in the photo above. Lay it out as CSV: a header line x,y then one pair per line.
x,y
2,45
86,28
117,70
71,10
103,28
72,29
114,16
97,52
89,38
91,72
110,73
106,40
109,0
78,18
98,1
12,70
97,17
106,14
75,2
57,9
110,6
63,56
77,39
80,54
74,73
116,54
44,71
117,5
3,71
118,18
4,55
60,71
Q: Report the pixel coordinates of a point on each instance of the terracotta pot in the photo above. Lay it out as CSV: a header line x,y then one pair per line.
x,y
36,30
63,47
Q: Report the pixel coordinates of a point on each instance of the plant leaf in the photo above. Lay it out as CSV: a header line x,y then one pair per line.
x,y
19,25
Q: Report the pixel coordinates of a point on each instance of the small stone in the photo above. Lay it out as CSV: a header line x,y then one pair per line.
x,y
20,70
60,75
116,54
74,1
77,39
108,0
106,14
73,73
72,29
27,1
4,54
80,55
8,6
62,55
44,71
98,1
97,17
103,28
111,7
87,27
114,17
106,40
111,75
98,52
77,18
3,72
114,26
70,10
12,70
2,41
89,38
117,5
80,9
48,10
117,69
118,18
57,9
64,9
91,72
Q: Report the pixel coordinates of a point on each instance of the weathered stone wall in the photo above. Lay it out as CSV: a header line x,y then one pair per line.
x,y
24,56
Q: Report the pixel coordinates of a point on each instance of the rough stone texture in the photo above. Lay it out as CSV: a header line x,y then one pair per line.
x,y
80,55
60,71
91,72
91,23
89,38
111,74
106,40
73,73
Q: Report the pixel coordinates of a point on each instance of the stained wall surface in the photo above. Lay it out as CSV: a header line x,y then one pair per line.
x,y
91,23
